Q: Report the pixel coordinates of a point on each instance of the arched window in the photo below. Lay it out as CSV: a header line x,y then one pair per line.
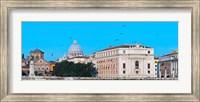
x,y
47,68
124,51
37,57
136,64
148,65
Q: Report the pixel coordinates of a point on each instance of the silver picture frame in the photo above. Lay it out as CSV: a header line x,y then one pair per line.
x,y
7,5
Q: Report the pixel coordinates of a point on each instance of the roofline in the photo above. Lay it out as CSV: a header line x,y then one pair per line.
x,y
36,49
79,57
121,46
169,54
39,59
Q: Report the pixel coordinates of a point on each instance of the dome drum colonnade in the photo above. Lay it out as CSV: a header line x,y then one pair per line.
x,y
75,50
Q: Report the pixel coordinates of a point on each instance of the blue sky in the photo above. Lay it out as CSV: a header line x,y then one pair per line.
x,y
56,37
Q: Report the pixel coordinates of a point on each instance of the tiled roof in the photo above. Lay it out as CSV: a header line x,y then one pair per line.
x,y
37,50
42,59
173,53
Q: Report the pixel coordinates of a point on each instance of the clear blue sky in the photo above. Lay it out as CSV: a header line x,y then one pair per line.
x,y
56,37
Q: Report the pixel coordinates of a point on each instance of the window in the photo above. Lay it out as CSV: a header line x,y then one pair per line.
x,y
38,68
40,61
37,57
148,65
124,51
148,52
42,68
124,72
124,65
148,72
47,68
136,64
136,72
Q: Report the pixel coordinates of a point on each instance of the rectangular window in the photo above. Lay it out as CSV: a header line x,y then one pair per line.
x,y
148,65
136,72
124,51
124,72
124,65
148,72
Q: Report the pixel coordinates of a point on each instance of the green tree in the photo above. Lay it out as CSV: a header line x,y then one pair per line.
x,y
70,69
36,73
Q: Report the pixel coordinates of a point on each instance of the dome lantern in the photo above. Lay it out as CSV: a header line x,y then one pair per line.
x,y
75,42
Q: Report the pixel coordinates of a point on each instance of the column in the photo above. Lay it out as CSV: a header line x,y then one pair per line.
x,y
171,70
132,68
158,70
160,74
176,68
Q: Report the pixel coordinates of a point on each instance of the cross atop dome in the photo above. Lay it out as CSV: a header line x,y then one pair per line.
x,y
75,42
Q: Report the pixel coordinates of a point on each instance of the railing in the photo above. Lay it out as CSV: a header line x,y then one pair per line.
x,y
167,58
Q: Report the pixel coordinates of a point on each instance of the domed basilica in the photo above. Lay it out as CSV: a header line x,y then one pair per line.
x,y
75,54
75,50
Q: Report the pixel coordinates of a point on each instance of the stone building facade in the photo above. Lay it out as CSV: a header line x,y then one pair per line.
x,y
40,65
168,65
36,54
125,61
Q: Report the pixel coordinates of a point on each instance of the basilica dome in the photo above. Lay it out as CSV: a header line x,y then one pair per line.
x,y
75,50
